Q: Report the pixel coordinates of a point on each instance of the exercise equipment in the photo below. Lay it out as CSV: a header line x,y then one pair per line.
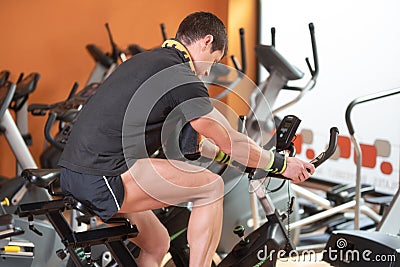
x,y
4,74
385,241
15,189
259,126
134,49
105,63
220,73
77,244
63,113
26,85
341,198
246,252
21,192
11,252
273,233
262,101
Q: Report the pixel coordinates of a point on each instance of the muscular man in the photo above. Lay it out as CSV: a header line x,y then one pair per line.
x,y
107,161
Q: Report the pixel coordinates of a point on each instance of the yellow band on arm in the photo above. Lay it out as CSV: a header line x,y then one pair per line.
x,y
222,157
277,163
271,161
284,167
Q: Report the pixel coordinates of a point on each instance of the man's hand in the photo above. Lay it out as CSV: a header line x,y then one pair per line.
x,y
296,170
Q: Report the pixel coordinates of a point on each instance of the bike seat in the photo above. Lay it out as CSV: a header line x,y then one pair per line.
x,y
73,203
41,177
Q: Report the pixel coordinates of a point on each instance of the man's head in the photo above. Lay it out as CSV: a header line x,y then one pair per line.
x,y
204,35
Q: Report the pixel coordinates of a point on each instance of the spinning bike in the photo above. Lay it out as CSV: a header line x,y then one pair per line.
x,y
246,253
19,247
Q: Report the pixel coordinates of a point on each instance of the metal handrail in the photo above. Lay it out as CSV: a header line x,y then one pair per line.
x,y
358,154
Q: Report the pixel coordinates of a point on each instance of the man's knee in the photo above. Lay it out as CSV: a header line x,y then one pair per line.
x,y
212,191
218,185
162,247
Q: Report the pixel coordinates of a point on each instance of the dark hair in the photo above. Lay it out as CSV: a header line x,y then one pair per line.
x,y
197,25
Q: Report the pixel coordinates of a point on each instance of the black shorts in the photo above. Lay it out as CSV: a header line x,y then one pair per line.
x,y
103,194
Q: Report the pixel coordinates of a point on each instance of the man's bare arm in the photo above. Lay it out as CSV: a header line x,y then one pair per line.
x,y
242,148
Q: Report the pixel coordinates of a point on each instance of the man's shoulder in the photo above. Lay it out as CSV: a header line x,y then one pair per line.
x,y
161,54
154,60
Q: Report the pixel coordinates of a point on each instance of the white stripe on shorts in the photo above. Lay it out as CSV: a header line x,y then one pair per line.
x,y
112,192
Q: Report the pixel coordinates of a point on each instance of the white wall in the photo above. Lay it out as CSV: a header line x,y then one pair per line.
x,y
358,45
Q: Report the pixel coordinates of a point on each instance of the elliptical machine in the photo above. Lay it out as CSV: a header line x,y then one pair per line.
x,y
357,247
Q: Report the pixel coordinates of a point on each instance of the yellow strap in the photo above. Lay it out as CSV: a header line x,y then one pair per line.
x,y
178,46
271,161
12,249
284,167
219,156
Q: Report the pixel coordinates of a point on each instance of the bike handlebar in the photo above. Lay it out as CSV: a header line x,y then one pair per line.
x,y
255,174
313,71
98,56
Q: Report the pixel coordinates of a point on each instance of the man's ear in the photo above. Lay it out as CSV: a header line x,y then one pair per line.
x,y
207,41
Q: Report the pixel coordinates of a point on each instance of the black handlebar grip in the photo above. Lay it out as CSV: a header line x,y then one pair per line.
x,y
311,27
243,50
38,109
273,32
321,158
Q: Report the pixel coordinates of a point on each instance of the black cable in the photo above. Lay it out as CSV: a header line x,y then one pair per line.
x,y
278,188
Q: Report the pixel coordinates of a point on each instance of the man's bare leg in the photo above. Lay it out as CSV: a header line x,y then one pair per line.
x,y
203,233
156,183
153,238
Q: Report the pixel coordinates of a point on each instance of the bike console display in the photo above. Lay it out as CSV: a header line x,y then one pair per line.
x,y
286,132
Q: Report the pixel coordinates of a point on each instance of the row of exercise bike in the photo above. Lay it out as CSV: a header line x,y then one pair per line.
x,y
109,247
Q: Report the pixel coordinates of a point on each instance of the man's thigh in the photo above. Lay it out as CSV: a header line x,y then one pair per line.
x,y
158,182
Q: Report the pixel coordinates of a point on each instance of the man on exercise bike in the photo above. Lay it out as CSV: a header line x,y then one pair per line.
x,y
108,164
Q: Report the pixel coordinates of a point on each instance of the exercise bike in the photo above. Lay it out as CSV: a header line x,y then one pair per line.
x,y
77,244
24,248
245,253
250,251
261,122
18,137
105,63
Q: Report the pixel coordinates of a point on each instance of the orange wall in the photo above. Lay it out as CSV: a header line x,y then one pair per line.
x,y
243,14
49,37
